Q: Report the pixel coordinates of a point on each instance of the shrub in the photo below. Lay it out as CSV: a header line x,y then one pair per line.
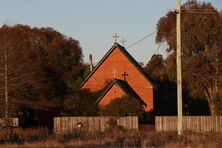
x,y
112,122
18,135
68,136
80,103
114,128
125,106
218,104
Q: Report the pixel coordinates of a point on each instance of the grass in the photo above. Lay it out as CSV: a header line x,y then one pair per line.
x,y
115,137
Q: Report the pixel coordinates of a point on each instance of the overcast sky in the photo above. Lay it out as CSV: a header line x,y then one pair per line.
x,y
93,22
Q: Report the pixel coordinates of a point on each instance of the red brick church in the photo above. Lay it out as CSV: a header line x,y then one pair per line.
x,y
126,75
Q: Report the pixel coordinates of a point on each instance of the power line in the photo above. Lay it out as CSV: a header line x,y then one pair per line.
x,y
195,11
200,10
160,45
141,39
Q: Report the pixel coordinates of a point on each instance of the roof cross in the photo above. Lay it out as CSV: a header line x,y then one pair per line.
x,y
114,73
115,36
124,75
123,42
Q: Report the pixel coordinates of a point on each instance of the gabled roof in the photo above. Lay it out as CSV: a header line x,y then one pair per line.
x,y
125,87
131,59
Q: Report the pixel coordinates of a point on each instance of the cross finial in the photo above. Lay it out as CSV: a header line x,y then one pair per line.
x,y
123,42
115,36
124,75
114,73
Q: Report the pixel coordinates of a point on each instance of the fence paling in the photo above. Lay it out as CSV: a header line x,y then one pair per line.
x,y
64,124
193,123
12,122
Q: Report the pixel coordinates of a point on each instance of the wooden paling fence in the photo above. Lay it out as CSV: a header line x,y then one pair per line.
x,y
192,123
14,122
91,124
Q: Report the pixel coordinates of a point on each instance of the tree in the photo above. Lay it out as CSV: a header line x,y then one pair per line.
x,y
155,67
165,96
201,48
42,63
165,102
16,77
80,103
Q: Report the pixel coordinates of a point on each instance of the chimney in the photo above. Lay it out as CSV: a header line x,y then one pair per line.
x,y
90,62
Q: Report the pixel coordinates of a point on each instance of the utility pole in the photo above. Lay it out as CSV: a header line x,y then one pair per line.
x,y
179,74
6,85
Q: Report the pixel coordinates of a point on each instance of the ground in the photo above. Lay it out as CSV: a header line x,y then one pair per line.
x,y
115,137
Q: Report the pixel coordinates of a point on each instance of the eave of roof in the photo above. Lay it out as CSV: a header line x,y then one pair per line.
x,y
125,87
133,61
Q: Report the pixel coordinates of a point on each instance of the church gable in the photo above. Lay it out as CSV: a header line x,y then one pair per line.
x,y
118,89
113,92
116,58
119,64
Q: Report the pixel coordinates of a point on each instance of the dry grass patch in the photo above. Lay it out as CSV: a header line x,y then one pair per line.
x,y
115,137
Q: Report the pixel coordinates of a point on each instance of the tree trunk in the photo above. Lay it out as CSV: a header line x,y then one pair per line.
x,y
209,95
212,109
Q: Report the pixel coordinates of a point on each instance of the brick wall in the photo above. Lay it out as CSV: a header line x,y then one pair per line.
x,y
114,92
118,61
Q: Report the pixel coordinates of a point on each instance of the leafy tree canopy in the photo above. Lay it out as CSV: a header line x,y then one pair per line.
x,y
201,31
80,103
43,65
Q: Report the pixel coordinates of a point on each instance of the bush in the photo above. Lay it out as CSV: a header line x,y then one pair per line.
x,y
125,106
18,135
80,103
114,128
112,122
68,136
218,104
